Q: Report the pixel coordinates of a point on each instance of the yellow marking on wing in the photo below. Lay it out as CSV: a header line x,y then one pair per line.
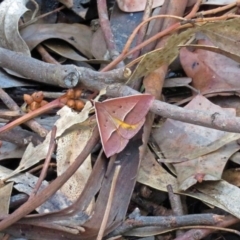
x,y
124,125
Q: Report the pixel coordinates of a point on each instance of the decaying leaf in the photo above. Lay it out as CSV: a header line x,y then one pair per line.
x,y
77,35
120,119
154,175
182,140
70,145
232,176
153,60
10,13
223,34
210,71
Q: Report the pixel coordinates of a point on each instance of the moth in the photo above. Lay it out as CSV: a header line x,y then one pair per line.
x,y
119,119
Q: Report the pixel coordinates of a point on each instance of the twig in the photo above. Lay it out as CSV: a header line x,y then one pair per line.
x,y
167,222
106,29
52,145
216,10
39,17
36,127
194,10
142,31
46,57
36,9
109,203
54,104
201,233
157,26
9,114
66,76
176,205
38,167
214,228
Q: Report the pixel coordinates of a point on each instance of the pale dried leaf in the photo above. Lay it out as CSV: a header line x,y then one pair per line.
x,y
5,194
70,145
224,193
183,140
70,119
206,168
10,13
154,175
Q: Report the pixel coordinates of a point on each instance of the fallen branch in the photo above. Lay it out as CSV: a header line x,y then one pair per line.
x,y
98,80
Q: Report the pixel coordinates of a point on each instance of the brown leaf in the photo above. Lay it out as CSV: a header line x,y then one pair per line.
x,y
78,35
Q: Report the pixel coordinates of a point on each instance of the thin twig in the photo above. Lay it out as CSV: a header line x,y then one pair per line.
x,y
52,145
216,10
143,30
9,102
39,17
106,29
46,57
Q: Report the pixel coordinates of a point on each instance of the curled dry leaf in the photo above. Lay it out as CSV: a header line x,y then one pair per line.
x,y
78,35
10,13
120,119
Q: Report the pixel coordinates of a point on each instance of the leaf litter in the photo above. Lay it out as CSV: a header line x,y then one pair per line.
x,y
94,201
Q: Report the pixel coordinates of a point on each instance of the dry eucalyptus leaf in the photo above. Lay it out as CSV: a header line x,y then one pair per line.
x,y
5,194
232,55
223,34
224,193
70,145
70,119
155,59
154,175
232,176
67,51
235,158
206,168
77,35
151,172
33,155
10,13
26,182
9,150
177,82
210,71
183,140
